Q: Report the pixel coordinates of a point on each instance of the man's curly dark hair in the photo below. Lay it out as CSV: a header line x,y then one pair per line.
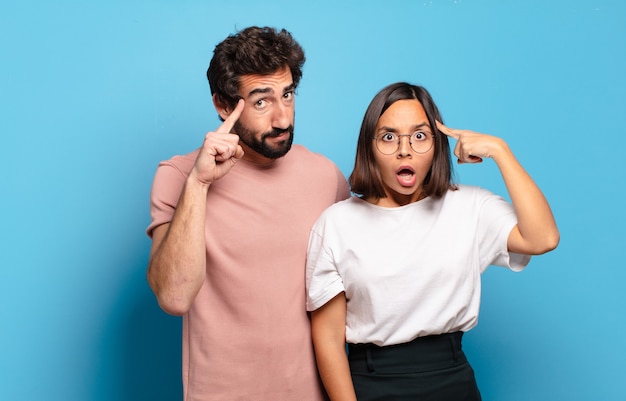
x,y
254,50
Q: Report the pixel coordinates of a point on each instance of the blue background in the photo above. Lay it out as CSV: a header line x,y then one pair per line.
x,y
94,94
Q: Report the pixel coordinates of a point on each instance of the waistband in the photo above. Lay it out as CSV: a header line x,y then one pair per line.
x,y
422,354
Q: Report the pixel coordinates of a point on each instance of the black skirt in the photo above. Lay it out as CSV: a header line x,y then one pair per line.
x,y
427,368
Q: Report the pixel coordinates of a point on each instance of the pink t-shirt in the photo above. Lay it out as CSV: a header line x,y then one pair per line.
x,y
247,335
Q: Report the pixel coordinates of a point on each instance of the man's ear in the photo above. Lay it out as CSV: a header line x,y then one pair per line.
x,y
222,109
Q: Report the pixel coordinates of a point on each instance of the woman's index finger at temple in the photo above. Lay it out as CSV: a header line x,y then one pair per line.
x,y
448,131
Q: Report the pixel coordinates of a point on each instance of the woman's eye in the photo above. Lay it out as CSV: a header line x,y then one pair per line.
x,y
419,136
388,137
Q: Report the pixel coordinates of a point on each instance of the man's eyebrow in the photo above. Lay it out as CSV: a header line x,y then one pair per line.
x,y
266,90
260,90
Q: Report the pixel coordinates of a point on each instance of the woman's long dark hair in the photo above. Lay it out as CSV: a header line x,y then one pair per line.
x,y
365,179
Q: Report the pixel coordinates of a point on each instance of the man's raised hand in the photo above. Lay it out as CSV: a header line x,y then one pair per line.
x,y
220,150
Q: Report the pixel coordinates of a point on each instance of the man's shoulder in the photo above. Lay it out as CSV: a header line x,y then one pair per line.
x,y
302,153
183,163
318,171
301,150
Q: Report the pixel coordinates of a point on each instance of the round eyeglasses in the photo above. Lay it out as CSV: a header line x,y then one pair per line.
x,y
388,143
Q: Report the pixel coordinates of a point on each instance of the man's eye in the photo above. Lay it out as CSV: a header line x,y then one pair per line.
x,y
288,95
260,103
388,137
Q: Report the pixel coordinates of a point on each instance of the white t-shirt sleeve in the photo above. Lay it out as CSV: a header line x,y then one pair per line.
x,y
323,281
497,219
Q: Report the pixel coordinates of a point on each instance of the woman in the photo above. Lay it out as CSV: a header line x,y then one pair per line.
x,y
395,271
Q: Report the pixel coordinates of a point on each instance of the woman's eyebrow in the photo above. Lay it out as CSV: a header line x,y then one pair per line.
x,y
417,126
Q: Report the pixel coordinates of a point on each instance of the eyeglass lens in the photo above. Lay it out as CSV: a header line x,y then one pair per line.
x,y
390,143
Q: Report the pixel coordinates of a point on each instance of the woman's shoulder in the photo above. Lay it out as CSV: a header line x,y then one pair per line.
x,y
463,191
342,210
344,206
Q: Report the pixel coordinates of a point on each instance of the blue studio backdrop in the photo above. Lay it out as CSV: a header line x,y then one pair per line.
x,y
93,94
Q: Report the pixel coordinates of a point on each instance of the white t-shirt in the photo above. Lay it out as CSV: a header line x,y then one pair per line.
x,y
409,271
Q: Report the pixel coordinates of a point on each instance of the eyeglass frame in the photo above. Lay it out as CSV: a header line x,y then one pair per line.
x,y
375,138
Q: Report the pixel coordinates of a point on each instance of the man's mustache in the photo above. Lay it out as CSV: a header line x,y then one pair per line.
x,y
277,132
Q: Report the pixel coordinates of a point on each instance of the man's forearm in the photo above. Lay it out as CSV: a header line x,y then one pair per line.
x,y
177,266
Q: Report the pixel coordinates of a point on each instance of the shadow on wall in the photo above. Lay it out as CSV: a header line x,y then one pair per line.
x,y
140,348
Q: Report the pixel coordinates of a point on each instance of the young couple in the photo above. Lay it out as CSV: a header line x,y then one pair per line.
x,y
393,271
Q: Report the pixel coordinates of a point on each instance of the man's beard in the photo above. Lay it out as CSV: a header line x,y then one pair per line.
x,y
261,146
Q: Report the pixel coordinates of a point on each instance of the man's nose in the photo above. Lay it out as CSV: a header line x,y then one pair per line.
x,y
282,116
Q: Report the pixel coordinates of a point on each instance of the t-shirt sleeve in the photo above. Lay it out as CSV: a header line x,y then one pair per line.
x,y
323,280
497,219
166,189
